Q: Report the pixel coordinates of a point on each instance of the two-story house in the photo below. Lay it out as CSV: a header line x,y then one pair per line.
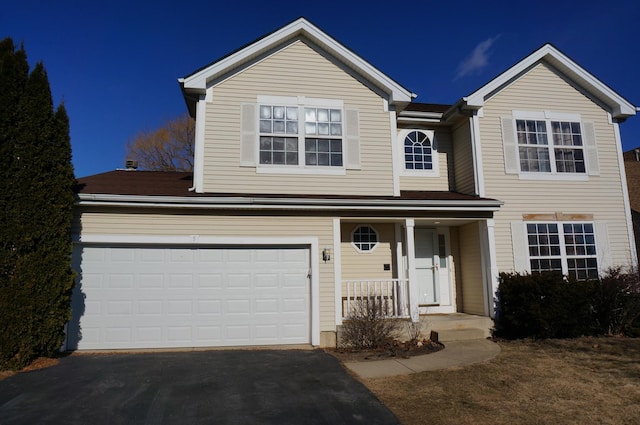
x,y
318,182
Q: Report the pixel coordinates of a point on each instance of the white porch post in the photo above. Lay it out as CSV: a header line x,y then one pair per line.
x,y
489,264
337,269
411,270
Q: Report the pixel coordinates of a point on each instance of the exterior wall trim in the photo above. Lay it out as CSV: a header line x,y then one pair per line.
x,y
625,195
198,157
477,155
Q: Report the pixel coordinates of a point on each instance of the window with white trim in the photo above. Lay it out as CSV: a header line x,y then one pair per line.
x,y
364,238
548,146
287,130
567,247
418,151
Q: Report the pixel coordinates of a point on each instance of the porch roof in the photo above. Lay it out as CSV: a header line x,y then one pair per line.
x,y
165,188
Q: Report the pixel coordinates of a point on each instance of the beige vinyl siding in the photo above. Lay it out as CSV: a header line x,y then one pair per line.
x,y
445,160
150,222
463,159
542,89
470,270
358,265
295,70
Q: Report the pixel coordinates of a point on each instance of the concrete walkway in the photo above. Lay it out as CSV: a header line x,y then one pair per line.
x,y
455,354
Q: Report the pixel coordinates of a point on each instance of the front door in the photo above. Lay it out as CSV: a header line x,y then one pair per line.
x,y
436,292
427,265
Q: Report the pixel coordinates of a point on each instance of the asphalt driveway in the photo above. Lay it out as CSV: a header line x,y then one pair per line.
x,y
206,387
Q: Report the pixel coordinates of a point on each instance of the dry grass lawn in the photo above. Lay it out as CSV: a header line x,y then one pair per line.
x,y
577,381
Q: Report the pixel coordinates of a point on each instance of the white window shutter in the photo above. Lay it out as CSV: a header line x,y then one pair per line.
x,y
591,149
520,247
603,250
352,139
248,135
510,146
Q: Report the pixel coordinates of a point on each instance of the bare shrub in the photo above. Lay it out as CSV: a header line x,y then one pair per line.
x,y
414,331
616,301
367,326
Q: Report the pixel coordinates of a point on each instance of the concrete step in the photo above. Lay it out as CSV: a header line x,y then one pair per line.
x,y
466,334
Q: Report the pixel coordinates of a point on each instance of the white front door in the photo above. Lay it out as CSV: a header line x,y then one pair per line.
x,y
432,262
427,265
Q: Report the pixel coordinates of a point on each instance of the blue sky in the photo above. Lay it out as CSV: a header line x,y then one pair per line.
x,y
115,64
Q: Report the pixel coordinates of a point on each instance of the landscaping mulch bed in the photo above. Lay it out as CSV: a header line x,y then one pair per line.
x,y
394,349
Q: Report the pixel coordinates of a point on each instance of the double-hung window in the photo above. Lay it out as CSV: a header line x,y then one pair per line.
x,y
302,133
567,247
549,145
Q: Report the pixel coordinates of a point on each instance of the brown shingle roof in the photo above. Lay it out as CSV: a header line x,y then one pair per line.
x,y
427,107
167,183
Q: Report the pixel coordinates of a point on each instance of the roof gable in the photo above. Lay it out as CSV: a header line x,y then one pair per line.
x,y
619,107
198,81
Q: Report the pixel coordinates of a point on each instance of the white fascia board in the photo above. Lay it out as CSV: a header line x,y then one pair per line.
x,y
285,203
198,80
621,108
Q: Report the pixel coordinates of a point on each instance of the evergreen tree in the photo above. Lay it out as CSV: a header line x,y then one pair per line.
x,y
36,198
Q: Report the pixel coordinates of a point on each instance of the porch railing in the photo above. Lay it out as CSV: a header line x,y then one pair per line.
x,y
390,296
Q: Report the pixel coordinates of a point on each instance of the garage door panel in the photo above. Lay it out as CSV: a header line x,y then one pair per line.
x,y
92,280
151,334
238,280
122,256
179,307
210,280
149,308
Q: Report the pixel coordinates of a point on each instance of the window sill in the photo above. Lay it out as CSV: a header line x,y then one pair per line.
x,y
415,173
554,177
331,171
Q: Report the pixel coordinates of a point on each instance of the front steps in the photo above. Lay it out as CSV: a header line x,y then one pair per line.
x,y
456,326
446,327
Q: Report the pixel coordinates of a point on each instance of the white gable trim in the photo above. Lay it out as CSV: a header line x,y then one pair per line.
x,y
301,27
620,107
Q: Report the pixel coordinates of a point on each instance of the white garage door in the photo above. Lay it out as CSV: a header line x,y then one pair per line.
x,y
152,297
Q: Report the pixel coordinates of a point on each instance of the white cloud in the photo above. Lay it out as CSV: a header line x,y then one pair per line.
x,y
478,59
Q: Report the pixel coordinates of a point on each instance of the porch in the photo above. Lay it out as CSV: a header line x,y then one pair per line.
x,y
437,272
